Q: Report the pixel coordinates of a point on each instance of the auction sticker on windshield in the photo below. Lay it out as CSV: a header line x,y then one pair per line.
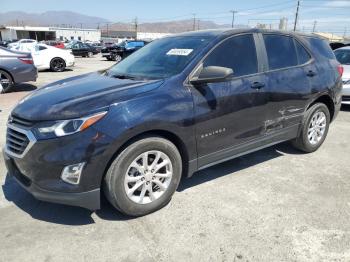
x,y
176,51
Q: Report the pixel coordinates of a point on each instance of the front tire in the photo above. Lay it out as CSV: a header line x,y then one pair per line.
x,y
144,176
314,129
6,82
117,58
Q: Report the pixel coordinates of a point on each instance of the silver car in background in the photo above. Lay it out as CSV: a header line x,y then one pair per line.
x,y
15,67
343,56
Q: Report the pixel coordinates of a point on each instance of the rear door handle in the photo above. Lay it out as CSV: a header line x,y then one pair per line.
x,y
310,73
257,85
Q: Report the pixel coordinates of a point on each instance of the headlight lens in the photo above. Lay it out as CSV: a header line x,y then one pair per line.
x,y
67,127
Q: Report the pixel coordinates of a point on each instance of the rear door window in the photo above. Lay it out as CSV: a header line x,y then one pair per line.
x,y
237,53
281,52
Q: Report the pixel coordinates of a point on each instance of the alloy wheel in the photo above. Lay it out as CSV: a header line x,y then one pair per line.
x,y
58,65
148,177
5,81
317,127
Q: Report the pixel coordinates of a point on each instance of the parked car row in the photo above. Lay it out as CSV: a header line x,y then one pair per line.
x,y
117,52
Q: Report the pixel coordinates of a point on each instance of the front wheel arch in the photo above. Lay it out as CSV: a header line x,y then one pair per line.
x,y
176,140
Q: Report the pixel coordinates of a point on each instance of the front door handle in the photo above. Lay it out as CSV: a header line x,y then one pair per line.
x,y
310,73
257,85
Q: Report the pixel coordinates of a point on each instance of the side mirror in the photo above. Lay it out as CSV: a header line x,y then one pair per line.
x,y
212,74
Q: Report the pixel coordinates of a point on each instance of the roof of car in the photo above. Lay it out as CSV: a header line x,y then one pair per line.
x,y
343,48
230,31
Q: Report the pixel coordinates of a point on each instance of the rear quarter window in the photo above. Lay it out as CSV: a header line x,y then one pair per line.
x,y
320,48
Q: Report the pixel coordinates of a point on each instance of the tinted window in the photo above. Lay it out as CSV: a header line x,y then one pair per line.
x,y
321,47
42,48
280,51
303,55
343,56
237,53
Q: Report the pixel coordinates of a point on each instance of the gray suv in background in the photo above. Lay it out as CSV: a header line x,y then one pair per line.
x,y
15,67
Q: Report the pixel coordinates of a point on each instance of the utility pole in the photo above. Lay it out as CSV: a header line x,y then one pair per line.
x,y
107,29
314,27
296,16
233,16
194,22
136,27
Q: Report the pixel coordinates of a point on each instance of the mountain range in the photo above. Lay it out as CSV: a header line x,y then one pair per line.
x,y
73,19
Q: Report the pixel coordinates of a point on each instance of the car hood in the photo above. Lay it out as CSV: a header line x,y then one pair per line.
x,y
80,96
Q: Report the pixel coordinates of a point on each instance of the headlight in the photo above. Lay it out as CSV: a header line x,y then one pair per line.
x,y
66,127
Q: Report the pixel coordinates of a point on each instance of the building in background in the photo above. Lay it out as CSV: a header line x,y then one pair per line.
x,y
119,36
49,33
283,23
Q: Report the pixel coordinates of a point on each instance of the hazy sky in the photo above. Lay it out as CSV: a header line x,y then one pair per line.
x,y
333,15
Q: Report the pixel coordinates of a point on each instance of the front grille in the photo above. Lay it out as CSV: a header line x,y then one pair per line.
x,y
15,120
16,141
346,98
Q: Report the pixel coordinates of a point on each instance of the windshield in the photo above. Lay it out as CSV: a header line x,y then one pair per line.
x,y
160,59
343,56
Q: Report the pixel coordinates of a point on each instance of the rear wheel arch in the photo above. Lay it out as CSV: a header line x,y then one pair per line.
x,y
13,80
175,139
328,101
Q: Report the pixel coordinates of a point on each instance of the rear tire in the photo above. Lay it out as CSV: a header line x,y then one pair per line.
x,y
314,129
137,187
6,82
57,64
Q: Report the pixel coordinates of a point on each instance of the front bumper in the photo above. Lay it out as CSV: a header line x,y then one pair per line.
x,y
89,200
106,55
39,168
70,62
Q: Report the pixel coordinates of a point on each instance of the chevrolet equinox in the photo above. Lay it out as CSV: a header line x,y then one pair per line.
x,y
178,105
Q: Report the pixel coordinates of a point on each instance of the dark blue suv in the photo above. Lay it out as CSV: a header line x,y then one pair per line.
x,y
177,105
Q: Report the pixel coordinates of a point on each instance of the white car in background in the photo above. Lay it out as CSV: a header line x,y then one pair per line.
x,y
23,45
49,57
343,56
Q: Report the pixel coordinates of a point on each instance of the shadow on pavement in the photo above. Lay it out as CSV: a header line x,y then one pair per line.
x,y
236,164
75,216
23,87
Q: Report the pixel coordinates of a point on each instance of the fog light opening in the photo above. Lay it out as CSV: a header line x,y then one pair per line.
x,y
71,174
